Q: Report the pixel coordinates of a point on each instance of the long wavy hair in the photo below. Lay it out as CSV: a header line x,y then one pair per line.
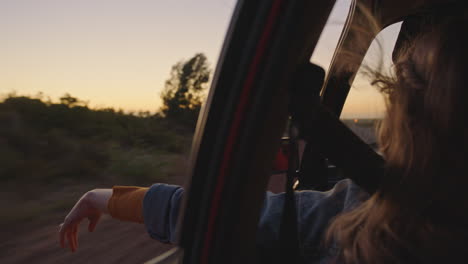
x,y
420,213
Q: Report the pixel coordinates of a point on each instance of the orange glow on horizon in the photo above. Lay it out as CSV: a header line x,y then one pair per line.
x,y
119,54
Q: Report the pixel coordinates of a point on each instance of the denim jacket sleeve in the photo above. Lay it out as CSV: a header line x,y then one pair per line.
x,y
160,211
315,210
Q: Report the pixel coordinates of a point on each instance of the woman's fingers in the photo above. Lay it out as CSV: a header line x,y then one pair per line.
x,y
71,243
68,237
68,232
75,236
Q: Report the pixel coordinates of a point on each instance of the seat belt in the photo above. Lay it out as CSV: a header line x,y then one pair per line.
x,y
289,240
328,136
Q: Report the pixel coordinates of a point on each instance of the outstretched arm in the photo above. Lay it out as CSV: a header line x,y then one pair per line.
x,y
122,202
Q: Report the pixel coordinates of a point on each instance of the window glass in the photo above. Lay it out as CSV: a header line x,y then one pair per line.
x,y
365,106
331,33
88,101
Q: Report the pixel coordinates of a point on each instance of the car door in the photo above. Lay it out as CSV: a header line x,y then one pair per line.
x,y
241,127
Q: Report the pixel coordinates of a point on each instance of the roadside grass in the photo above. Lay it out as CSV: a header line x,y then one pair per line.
x,y
31,201
33,211
50,154
141,166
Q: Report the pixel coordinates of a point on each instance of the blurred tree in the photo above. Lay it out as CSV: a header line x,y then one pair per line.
x,y
183,92
71,101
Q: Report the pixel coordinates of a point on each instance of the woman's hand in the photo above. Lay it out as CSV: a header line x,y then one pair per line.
x,y
91,205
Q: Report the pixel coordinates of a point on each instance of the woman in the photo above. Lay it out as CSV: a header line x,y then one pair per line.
x,y
420,213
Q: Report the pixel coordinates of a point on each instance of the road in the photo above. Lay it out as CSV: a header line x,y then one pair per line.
x,y
112,242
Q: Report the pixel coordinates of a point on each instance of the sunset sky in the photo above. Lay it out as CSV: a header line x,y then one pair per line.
x,y
118,53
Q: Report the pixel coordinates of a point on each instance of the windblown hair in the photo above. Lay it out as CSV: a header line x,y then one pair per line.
x,y
420,213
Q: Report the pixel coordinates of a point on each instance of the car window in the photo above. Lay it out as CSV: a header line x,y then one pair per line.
x,y
364,107
331,33
91,97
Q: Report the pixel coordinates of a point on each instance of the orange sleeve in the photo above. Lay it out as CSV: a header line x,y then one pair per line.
x,y
126,203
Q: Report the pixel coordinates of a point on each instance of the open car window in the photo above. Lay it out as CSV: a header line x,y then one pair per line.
x,y
365,105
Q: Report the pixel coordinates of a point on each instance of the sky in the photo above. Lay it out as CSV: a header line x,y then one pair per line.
x,y
118,53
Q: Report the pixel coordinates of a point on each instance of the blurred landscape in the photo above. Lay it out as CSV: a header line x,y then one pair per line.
x,y
53,152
